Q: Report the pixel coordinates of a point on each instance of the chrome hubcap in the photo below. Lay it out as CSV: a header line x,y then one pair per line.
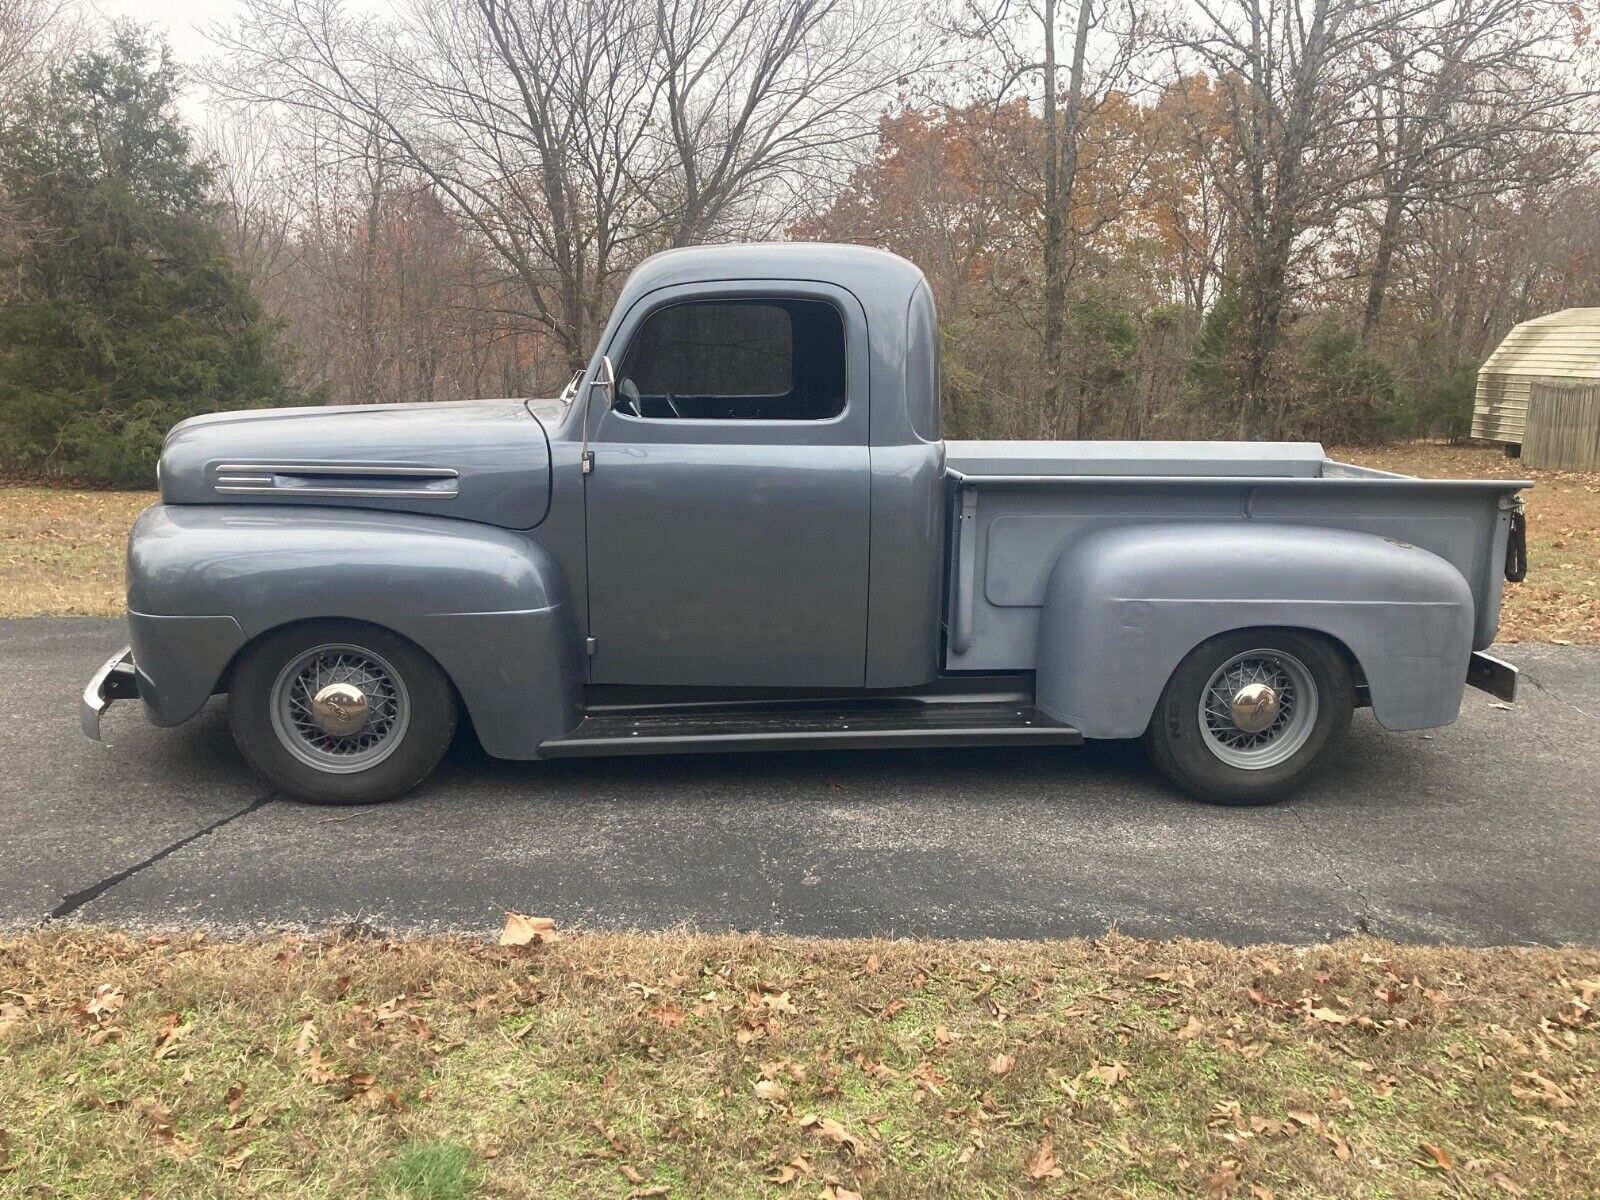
x,y
1258,709
340,708
1254,707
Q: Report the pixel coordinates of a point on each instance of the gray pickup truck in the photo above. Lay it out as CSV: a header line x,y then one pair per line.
x,y
739,529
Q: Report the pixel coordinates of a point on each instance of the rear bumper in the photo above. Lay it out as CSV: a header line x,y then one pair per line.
x,y
1493,675
116,680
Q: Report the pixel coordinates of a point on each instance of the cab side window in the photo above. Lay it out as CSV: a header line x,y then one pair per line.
x,y
736,360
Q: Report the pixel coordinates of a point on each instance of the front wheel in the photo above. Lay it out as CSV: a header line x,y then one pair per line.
x,y
1249,717
340,712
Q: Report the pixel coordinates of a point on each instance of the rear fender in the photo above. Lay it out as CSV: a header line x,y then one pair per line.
x,y
1124,606
490,605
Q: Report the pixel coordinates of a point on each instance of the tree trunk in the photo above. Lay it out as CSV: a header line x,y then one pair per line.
x,y
1382,260
1055,275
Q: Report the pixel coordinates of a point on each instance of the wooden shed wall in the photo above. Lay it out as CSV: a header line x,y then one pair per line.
x,y
1563,428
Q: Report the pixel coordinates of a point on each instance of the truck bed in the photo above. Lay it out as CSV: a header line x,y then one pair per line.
x,y
1016,506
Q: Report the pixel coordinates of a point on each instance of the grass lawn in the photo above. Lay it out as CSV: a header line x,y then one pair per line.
x,y
689,1066
61,549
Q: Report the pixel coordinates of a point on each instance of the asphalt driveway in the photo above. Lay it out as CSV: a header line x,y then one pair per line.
x,y
1485,833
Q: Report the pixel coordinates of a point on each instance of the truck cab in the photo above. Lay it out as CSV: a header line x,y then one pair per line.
x,y
763,461
739,528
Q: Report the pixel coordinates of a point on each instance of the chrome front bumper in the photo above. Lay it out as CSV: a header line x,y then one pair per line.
x,y
117,680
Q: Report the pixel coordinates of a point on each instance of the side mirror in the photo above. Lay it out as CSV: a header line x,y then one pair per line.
x,y
606,380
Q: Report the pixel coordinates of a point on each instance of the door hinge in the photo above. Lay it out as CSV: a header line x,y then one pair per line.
x,y
588,462
589,645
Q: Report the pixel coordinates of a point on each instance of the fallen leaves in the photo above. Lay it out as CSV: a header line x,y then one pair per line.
x,y
1001,1064
1238,1126
786,1173
172,1031
1109,1074
236,1160
771,1091
1545,1091
1324,1014
669,1014
832,1131
1436,1157
10,1013
523,930
779,1002
1042,1164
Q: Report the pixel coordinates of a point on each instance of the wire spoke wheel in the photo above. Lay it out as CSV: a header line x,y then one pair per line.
x,y
340,708
1258,709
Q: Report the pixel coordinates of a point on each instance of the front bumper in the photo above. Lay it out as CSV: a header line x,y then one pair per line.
x,y
117,680
1493,675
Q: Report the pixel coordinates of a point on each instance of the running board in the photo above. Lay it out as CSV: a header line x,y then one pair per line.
x,y
710,730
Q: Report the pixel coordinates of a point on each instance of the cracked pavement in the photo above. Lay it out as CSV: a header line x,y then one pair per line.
x,y
1487,832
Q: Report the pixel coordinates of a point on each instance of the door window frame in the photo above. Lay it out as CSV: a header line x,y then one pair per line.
x,y
848,428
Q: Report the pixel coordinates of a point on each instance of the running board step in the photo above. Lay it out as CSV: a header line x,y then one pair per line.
x,y
703,730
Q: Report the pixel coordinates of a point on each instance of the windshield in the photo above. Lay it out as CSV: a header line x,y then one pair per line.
x,y
571,390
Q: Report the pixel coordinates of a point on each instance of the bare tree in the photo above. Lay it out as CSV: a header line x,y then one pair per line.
x,y
765,102
260,205
1102,38
33,35
578,135
29,31
1290,75
1471,97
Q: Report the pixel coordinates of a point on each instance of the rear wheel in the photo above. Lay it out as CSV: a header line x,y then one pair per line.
x,y
1249,717
340,712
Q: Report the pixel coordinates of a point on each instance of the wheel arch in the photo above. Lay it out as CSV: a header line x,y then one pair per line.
x,y
489,606
1352,663
224,682
1124,607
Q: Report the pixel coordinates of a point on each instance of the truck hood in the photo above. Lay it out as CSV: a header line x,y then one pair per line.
x,y
476,460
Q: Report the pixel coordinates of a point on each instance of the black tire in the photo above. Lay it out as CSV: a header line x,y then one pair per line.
x,y
419,690
1182,744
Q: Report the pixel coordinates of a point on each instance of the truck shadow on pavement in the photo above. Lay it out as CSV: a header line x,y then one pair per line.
x,y
1097,770
1374,771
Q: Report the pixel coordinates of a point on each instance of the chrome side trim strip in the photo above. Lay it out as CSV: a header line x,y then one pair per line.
x,y
267,478
381,470
372,493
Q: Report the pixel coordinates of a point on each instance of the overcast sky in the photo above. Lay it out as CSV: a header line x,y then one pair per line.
x,y
181,20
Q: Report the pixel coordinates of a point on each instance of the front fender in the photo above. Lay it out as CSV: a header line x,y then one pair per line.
x,y
1124,606
490,605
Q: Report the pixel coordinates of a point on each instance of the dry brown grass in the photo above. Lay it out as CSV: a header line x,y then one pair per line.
x,y
1560,599
61,550
721,1066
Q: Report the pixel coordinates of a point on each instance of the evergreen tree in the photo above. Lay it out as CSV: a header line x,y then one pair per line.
x,y
124,313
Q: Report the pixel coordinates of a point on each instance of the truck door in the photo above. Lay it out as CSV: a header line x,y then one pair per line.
x,y
728,506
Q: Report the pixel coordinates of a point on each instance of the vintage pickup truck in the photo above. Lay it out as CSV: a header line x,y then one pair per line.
x,y
739,529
